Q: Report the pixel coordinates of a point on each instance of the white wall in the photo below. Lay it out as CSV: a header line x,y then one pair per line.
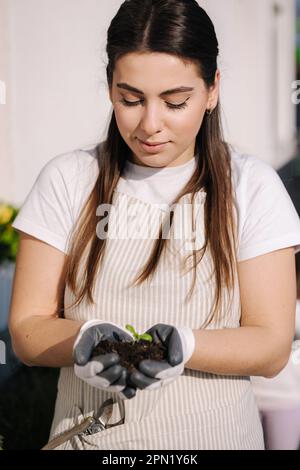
x,y
6,167
53,60
57,89
257,61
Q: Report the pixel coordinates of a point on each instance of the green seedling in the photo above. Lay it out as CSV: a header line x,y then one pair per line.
x,y
138,337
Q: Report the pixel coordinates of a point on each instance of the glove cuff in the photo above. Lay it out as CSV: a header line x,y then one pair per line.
x,y
88,324
188,342
83,328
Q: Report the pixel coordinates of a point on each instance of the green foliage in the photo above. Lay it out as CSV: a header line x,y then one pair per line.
x,y
9,237
298,55
138,337
1,442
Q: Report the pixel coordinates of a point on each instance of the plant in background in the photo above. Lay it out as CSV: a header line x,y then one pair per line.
x,y
9,238
1,442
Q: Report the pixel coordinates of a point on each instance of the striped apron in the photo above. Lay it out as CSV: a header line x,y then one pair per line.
x,y
196,411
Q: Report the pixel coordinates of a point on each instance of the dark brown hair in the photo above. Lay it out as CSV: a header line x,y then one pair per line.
x,y
181,28
298,274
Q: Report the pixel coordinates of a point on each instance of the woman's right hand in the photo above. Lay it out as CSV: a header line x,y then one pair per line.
x,y
104,371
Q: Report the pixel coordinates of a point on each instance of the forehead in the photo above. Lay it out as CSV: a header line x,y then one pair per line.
x,y
156,72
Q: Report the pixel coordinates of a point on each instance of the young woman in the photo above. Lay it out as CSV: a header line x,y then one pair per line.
x,y
162,226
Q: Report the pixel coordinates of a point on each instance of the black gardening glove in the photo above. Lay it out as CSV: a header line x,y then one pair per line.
x,y
180,344
103,371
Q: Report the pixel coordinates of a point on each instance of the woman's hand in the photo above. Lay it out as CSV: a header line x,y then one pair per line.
x,y
180,344
103,371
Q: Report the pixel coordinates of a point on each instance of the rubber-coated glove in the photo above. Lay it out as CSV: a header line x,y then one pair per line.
x,y
180,344
103,371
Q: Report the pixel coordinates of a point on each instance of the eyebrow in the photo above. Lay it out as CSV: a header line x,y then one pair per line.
x,y
180,89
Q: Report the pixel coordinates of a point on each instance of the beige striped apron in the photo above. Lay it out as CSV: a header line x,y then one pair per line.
x,y
196,411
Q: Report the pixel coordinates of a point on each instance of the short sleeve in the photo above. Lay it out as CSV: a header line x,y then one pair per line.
x,y
268,218
47,211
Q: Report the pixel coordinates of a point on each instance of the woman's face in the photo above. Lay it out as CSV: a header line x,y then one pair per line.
x,y
154,116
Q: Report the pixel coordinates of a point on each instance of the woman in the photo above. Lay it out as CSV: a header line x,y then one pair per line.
x,y
200,292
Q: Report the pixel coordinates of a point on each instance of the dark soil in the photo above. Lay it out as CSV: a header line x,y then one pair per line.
x,y
131,354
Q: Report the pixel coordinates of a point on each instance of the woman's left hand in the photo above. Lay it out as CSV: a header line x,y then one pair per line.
x,y
180,344
102,371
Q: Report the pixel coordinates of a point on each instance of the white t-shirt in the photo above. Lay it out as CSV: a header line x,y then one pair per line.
x,y
267,218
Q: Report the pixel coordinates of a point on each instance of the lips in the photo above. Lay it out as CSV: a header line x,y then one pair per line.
x,y
153,144
152,149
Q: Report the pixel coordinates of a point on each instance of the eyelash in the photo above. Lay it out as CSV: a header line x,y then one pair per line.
x,y
174,107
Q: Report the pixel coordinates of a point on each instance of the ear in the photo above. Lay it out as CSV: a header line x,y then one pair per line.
x,y
213,95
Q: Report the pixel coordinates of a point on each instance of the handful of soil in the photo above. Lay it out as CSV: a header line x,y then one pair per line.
x,y
132,353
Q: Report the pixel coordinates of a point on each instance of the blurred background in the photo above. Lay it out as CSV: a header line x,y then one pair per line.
x,y
54,99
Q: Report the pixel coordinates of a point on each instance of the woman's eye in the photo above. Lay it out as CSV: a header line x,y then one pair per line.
x,y
170,105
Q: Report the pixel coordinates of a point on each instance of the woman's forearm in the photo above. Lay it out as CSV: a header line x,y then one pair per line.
x,y
45,341
248,350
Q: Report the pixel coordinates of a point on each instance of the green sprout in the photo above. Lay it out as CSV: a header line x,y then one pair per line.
x,y
138,337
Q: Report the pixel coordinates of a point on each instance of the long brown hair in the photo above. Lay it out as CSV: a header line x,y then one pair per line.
x,y
297,256
181,28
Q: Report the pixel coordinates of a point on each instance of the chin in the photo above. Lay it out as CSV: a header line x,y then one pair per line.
x,y
153,161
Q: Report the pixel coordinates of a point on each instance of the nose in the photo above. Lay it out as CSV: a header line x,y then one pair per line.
x,y
151,119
